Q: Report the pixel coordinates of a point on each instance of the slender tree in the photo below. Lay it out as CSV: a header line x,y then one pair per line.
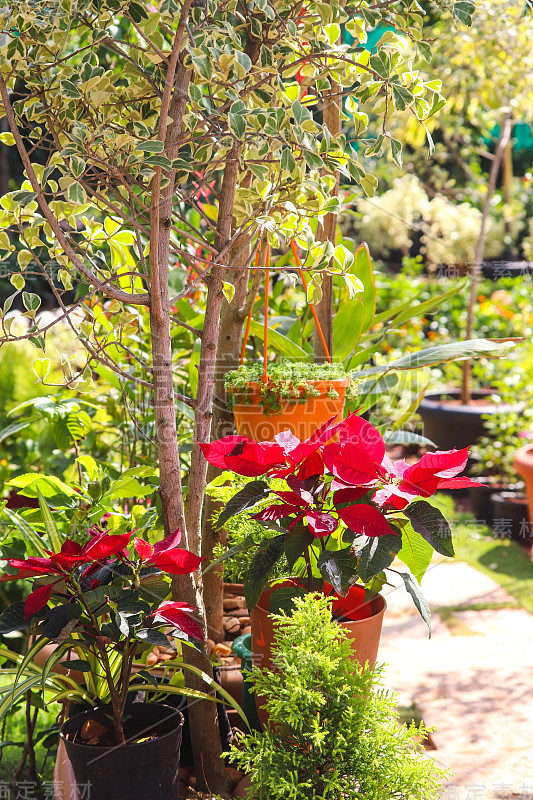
x,y
177,136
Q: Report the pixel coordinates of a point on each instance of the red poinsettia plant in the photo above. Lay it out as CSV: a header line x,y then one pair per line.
x,y
102,600
347,511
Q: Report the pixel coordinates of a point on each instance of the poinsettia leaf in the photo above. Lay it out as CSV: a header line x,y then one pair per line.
x,y
249,496
282,600
416,553
377,555
77,664
265,558
153,636
13,618
350,462
365,519
429,522
296,542
339,568
418,598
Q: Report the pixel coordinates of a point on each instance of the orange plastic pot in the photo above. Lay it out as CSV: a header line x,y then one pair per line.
x,y
523,462
361,620
300,418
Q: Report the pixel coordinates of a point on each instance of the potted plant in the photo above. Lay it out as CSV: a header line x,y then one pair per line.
x,y
500,500
99,602
346,513
296,396
333,729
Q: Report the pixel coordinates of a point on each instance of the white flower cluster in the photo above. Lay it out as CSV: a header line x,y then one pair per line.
x,y
448,232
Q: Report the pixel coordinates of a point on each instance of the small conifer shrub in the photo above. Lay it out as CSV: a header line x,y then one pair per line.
x,y
334,732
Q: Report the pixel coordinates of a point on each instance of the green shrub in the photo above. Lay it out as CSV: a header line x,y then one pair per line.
x,y
334,733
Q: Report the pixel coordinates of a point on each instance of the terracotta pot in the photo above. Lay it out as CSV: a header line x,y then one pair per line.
x,y
300,418
361,621
523,462
449,424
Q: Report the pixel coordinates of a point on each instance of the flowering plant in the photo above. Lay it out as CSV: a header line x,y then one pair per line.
x,y
100,601
348,510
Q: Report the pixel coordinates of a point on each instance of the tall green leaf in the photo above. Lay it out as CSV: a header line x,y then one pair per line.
x,y
347,328
49,523
362,267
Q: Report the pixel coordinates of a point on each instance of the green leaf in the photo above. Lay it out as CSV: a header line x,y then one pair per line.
x,y
31,301
425,51
237,125
464,10
287,160
27,531
247,497
78,664
377,555
153,146
13,619
347,328
418,598
282,600
396,152
416,553
203,66
339,568
77,166
76,194
265,558
248,543
159,161
300,112
312,160
381,64
409,310
402,96
49,523
297,540
279,342
430,523
363,269
153,636
7,139
15,427
407,437
455,351
244,62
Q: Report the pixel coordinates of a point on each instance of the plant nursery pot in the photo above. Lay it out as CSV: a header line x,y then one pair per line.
x,y
147,770
300,418
523,462
510,517
450,424
480,499
361,620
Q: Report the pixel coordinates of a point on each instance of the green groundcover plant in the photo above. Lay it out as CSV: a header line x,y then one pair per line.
x,y
287,382
334,732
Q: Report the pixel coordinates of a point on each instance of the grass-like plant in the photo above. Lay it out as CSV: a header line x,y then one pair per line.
x,y
333,732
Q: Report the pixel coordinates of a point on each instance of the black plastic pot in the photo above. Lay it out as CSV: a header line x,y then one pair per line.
x,y
145,771
510,517
449,424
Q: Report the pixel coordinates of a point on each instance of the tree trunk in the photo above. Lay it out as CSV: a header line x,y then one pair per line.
x,y
505,134
324,309
229,347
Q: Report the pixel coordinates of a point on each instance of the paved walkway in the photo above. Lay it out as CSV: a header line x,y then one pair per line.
x,y
473,680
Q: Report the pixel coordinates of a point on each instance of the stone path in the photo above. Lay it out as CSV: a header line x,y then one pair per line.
x,y
473,680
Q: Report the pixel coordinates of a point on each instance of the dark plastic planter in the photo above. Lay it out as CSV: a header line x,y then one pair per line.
x,y
510,517
145,771
452,425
